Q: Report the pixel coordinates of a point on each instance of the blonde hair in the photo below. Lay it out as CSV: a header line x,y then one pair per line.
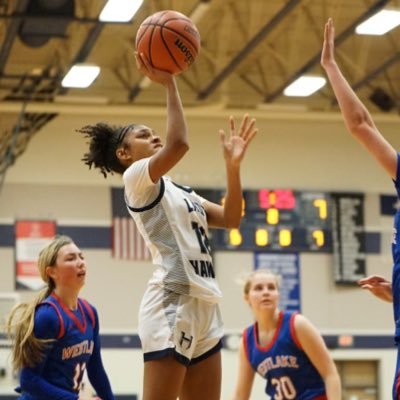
x,y
249,279
27,350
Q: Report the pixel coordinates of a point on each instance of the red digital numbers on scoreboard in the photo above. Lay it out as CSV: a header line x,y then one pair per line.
x,y
279,199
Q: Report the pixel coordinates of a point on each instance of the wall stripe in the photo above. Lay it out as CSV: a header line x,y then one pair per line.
x,y
350,342
7,236
100,237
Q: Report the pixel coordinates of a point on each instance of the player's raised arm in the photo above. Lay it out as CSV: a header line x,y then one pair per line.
x,y
176,141
356,116
234,147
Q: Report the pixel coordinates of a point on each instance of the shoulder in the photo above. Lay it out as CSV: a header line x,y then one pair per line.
x,y
248,335
140,190
137,169
186,189
305,331
299,322
88,305
91,310
47,321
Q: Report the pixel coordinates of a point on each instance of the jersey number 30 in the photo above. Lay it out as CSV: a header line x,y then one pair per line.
x,y
284,388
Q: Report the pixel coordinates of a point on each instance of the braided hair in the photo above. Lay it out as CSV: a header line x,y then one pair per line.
x,y
103,143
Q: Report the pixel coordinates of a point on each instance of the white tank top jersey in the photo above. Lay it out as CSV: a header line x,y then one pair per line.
x,y
173,222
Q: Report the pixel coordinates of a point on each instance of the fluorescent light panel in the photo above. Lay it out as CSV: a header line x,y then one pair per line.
x,y
120,10
305,86
81,76
380,23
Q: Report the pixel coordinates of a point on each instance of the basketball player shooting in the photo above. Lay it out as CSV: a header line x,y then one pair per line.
x,y
180,325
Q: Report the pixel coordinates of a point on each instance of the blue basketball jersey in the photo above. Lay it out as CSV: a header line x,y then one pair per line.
x,y
285,366
396,282
396,260
69,354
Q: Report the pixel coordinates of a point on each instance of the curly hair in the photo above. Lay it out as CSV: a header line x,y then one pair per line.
x,y
103,143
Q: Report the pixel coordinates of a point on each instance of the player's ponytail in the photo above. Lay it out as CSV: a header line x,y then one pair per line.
x,y
27,350
103,143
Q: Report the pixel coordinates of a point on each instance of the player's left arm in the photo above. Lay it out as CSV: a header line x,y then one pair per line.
x,y
234,148
95,369
314,346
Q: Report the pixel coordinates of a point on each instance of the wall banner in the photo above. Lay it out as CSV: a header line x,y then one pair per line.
x,y
30,238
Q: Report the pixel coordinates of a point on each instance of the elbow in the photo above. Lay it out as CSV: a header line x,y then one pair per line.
x,y
181,147
360,123
185,146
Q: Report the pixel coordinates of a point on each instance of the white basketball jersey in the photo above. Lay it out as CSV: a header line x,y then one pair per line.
x,y
173,222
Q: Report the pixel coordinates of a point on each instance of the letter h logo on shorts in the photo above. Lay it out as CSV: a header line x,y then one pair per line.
x,y
185,339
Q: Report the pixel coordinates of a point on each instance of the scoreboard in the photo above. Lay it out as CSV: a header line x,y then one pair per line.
x,y
277,220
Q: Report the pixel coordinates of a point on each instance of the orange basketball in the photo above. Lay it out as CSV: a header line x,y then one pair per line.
x,y
169,40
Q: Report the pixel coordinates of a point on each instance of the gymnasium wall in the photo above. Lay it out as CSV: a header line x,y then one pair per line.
x,y
298,151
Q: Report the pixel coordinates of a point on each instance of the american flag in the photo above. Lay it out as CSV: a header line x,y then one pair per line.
x,y
127,242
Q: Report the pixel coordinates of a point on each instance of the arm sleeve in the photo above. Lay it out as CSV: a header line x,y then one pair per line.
x,y
47,326
139,188
95,369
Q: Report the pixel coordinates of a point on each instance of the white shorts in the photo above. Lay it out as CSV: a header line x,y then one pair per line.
x,y
186,327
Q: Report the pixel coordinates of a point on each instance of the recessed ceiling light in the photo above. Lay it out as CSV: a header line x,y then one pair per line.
x,y
119,10
380,23
304,86
80,76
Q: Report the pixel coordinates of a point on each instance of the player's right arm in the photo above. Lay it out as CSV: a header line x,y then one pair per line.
x,y
244,381
176,142
356,116
378,286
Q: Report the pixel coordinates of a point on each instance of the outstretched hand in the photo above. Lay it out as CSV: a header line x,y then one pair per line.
x,y
156,75
236,143
328,48
378,286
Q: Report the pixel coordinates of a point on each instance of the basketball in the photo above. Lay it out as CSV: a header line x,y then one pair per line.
x,y
169,40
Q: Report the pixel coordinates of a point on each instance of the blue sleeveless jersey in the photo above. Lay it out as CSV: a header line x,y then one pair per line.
x,y
285,366
396,260
396,283
70,352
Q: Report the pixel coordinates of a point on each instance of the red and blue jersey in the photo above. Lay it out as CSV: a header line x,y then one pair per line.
x,y
286,367
396,260
396,282
75,347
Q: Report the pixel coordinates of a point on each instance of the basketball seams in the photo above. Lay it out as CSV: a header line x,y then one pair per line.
x,y
183,36
141,35
170,41
149,46
160,15
168,49
174,30
147,26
